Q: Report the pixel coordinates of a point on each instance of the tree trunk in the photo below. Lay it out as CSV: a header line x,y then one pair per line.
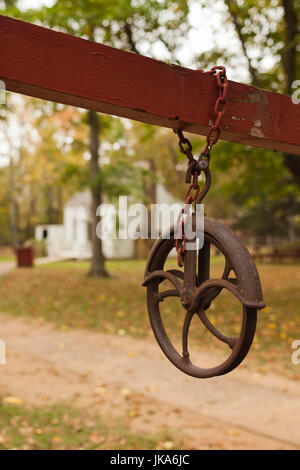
x,y
51,212
143,246
289,58
97,268
13,207
292,162
60,209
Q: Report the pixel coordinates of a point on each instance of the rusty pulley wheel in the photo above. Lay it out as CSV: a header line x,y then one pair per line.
x,y
196,292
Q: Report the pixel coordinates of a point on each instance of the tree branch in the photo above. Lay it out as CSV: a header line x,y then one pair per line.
x,y
289,52
238,28
131,42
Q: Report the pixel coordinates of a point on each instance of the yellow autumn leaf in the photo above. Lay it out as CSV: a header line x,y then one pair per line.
x,y
167,445
12,400
133,413
133,329
132,354
262,370
233,432
99,390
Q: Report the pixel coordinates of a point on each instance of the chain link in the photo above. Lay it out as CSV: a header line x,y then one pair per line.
x,y
184,144
202,164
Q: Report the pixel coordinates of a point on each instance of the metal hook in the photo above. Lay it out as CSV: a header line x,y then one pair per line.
x,y
205,188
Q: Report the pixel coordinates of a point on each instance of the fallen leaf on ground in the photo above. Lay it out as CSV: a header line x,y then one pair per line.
x,y
167,445
233,432
132,354
12,401
99,390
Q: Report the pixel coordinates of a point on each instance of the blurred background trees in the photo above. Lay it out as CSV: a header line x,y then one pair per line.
x,y
121,24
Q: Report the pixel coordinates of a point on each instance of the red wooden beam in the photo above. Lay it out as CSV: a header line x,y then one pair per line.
x,y
54,66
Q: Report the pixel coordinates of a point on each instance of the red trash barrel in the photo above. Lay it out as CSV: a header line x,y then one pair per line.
x,y
25,257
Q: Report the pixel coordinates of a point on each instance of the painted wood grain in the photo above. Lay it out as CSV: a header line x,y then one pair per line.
x,y
47,64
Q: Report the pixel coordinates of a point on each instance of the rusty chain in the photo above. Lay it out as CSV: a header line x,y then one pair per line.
x,y
195,167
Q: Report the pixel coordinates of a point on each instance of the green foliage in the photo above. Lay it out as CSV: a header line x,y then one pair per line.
x,y
257,184
262,32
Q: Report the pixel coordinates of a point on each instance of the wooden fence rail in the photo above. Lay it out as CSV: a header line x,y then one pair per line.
x,y
40,62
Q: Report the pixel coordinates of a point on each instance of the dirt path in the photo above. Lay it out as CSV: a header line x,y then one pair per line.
x,y
6,266
130,378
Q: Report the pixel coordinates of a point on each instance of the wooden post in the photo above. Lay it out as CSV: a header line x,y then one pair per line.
x,y
40,62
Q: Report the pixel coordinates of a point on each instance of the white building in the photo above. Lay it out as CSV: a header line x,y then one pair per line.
x,y
72,239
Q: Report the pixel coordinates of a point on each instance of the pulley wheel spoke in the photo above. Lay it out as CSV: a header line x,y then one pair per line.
x,y
167,293
227,270
213,292
176,272
207,323
185,333
159,275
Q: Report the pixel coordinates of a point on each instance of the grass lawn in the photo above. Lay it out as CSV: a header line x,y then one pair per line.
x,y
63,294
62,427
6,254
